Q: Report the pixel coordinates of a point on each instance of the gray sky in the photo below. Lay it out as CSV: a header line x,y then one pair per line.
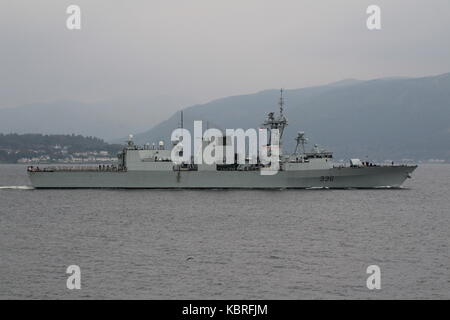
x,y
199,50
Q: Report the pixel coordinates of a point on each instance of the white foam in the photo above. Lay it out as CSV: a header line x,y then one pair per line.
x,y
17,187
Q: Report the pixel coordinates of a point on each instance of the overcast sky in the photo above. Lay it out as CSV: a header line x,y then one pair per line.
x,y
199,50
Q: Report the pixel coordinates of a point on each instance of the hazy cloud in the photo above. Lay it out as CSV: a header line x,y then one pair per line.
x,y
204,49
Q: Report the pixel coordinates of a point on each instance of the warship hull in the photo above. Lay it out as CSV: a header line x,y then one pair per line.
x,y
333,178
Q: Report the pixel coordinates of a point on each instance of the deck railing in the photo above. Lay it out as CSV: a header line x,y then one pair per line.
x,y
102,168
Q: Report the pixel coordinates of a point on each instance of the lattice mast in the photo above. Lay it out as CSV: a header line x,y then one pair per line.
x,y
277,122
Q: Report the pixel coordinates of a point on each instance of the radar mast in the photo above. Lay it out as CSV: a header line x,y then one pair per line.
x,y
301,140
280,122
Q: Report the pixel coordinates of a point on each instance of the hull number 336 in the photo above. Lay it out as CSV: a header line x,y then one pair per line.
x,y
326,178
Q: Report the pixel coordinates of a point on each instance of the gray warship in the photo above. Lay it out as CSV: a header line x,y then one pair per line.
x,y
151,167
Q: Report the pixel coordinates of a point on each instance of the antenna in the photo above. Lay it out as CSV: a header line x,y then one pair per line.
x,y
281,102
181,120
278,123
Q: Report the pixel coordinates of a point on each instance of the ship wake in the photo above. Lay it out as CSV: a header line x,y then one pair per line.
x,y
16,188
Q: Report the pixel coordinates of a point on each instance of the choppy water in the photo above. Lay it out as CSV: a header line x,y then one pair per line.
x,y
291,244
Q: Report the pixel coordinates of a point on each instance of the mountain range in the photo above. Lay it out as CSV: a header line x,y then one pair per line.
x,y
388,118
108,119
